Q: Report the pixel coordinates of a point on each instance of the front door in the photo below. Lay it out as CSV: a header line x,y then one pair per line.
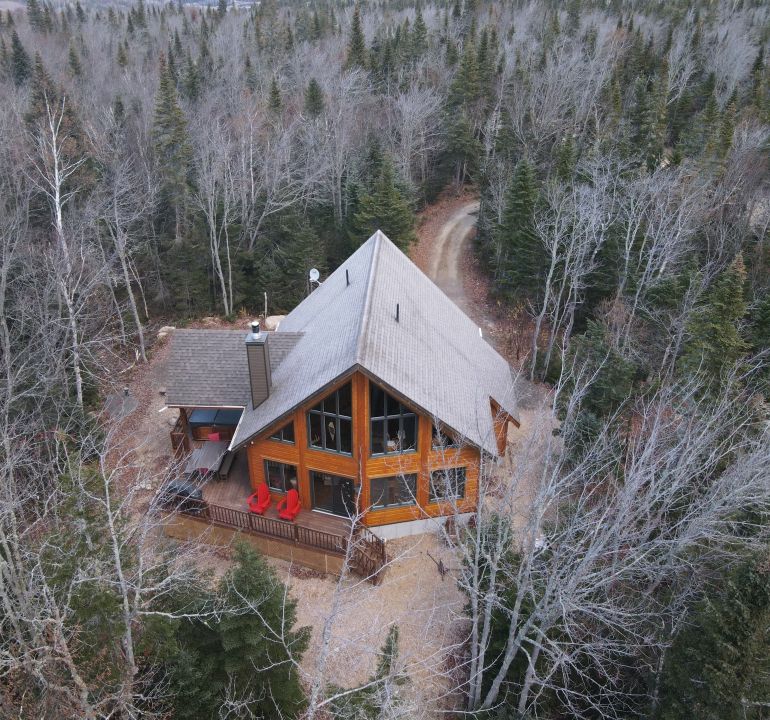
x,y
333,494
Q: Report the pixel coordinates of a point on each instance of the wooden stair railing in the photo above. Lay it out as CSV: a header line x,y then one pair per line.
x,y
368,556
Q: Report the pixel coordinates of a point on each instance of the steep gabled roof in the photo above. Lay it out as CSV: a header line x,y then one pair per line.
x,y
208,368
433,355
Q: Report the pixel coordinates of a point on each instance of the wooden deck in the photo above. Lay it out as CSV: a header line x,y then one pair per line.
x,y
233,492
314,533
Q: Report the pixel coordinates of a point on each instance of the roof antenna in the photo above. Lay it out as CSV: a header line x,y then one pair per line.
x,y
397,311
347,277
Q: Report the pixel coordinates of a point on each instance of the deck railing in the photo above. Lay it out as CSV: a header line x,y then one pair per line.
x,y
367,552
179,440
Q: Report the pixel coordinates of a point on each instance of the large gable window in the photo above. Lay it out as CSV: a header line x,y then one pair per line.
x,y
393,425
329,423
447,484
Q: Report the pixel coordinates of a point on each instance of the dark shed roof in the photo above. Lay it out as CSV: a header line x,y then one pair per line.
x,y
207,368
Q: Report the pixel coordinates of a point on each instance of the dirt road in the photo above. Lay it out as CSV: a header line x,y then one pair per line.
x,y
448,249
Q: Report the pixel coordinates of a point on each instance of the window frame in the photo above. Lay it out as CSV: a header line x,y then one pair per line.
x,y
432,498
283,465
326,417
452,444
382,420
280,432
401,476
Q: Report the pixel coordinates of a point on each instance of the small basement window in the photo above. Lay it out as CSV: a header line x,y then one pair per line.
x,y
448,484
284,434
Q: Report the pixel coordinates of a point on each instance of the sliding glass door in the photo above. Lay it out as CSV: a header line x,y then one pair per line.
x,y
333,494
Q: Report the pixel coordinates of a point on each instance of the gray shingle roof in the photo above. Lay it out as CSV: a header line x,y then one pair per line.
x,y
207,368
434,355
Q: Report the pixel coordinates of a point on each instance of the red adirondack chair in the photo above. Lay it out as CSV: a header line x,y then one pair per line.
x,y
260,500
290,504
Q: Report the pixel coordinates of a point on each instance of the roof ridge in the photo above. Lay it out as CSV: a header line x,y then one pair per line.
x,y
364,326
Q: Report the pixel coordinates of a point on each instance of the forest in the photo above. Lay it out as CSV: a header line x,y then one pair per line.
x,y
164,162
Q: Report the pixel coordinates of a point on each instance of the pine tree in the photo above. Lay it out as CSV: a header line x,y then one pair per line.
x,y
21,67
611,387
357,43
727,128
465,88
419,35
274,102
522,258
377,699
290,248
719,663
566,158
385,208
79,12
249,74
714,341
245,654
76,69
34,15
171,146
314,99
122,58
191,83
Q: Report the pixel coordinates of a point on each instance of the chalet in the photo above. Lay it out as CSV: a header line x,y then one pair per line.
x,y
376,397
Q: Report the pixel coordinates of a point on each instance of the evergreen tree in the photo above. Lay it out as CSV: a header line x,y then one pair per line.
x,y
522,259
727,129
419,35
76,69
314,99
34,15
245,654
191,82
566,158
171,147
719,664
714,341
79,12
21,67
250,75
385,208
357,43
378,698
274,102
290,248
611,386
122,58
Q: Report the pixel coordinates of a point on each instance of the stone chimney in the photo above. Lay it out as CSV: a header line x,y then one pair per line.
x,y
258,357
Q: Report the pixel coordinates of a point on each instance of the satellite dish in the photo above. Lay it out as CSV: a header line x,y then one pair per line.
x,y
314,275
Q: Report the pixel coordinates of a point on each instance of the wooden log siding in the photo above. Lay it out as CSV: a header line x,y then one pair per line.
x,y
368,557
360,466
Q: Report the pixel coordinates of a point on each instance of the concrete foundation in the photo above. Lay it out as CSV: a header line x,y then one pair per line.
x,y
415,527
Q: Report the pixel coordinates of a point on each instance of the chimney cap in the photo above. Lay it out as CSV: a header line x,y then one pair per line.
x,y
255,327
